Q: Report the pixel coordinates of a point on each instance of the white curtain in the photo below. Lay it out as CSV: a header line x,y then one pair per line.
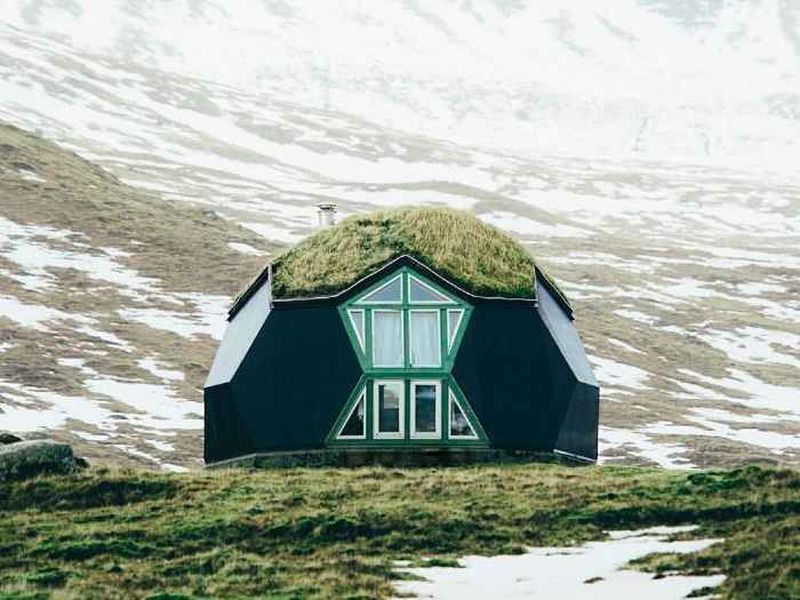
x,y
387,339
425,345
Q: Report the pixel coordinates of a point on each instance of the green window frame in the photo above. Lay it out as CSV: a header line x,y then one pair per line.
x,y
366,391
416,432
439,347
452,320
445,306
400,397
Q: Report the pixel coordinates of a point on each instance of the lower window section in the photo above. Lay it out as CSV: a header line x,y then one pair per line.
x,y
460,427
393,411
426,401
389,409
355,427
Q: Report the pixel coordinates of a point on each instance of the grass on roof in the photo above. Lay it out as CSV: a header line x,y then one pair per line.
x,y
476,256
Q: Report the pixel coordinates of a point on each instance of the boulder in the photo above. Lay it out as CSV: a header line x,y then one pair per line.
x,y
8,438
22,460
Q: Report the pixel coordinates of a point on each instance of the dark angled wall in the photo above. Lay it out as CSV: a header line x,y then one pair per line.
x,y
290,387
514,376
578,433
225,432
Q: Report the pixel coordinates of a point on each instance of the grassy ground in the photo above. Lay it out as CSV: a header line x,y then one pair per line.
x,y
335,533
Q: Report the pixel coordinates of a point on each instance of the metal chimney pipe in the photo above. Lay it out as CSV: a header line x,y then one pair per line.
x,y
326,214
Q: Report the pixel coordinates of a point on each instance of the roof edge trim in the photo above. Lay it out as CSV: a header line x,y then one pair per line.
x,y
387,266
241,299
573,456
266,275
538,274
543,277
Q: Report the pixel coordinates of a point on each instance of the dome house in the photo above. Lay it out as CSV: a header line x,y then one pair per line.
x,y
416,332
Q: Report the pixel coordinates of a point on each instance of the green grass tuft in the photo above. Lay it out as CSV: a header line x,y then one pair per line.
x,y
47,578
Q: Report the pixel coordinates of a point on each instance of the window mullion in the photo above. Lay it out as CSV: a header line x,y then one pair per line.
x,y
406,337
369,350
409,407
368,413
444,357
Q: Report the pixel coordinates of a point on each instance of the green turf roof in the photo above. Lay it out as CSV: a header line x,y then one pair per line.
x,y
478,257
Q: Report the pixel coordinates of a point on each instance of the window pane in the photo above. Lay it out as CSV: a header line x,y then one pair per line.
x,y
387,338
425,408
354,427
357,321
453,321
425,343
390,292
459,425
389,408
419,292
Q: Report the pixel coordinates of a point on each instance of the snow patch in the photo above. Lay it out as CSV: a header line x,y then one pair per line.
x,y
595,570
613,373
244,249
153,366
666,455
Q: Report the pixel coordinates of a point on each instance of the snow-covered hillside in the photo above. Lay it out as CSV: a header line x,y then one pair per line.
x,y
712,81
644,152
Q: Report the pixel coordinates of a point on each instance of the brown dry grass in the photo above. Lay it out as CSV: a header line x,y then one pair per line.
x,y
183,248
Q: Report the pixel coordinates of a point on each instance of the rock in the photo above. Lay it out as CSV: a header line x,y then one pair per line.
x,y
22,460
8,438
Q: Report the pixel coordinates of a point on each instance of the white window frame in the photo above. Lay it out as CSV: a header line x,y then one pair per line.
x,y
452,335
425,435
376,431
444,302
362,397
450,435
361,337
438,364
363,300
400,312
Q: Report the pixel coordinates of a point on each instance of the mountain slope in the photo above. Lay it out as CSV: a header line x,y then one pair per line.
x,y
113,300
704,81
111,304
684,275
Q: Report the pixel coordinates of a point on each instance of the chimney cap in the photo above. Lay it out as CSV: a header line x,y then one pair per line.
x,y
326,214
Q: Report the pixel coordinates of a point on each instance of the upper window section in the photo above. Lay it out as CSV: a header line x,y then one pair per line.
x,y
390,292
423,293
387,339
405,322
405,287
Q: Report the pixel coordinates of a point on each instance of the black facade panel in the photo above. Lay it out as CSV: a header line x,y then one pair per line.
x,y
295,378
562,329
225,433
578,433
514,377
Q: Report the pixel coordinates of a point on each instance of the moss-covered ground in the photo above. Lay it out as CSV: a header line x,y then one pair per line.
x,y
334,533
